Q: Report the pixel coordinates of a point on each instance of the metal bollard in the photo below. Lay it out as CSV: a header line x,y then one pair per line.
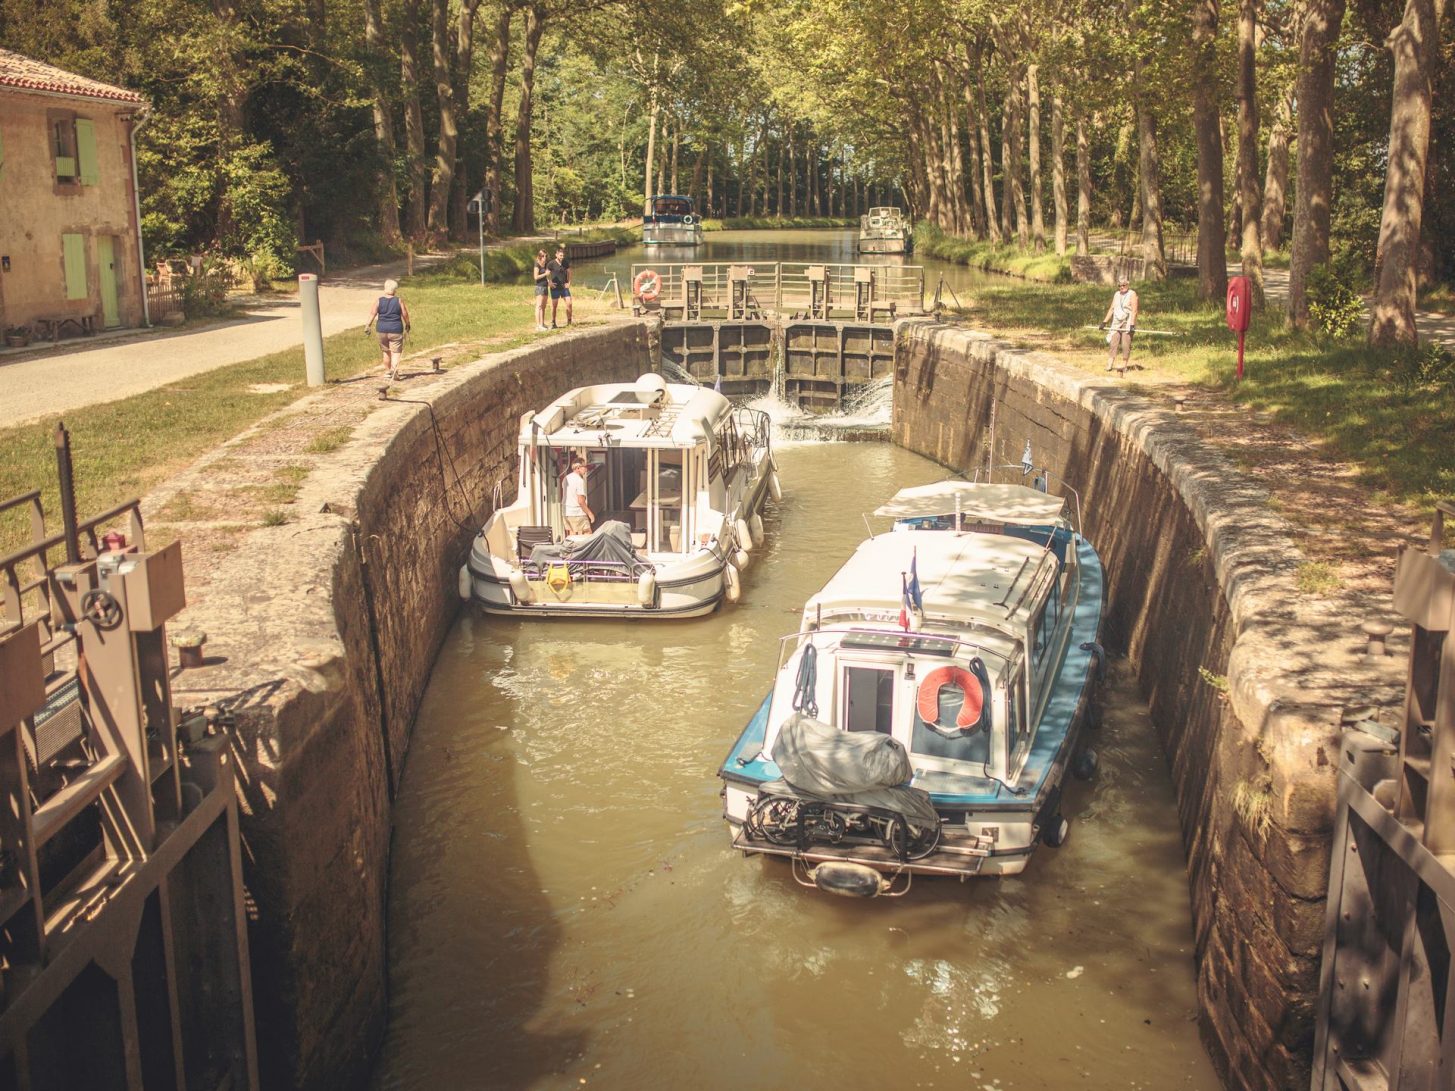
x,y
312,328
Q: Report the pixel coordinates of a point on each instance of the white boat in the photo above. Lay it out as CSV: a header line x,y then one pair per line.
x,y
677,477
672,221
885,230
926,711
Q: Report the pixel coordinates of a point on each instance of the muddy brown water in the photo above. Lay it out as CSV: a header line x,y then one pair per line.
x,y
565,910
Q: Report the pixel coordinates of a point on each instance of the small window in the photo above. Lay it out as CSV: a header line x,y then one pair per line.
x,y
63,139
869,700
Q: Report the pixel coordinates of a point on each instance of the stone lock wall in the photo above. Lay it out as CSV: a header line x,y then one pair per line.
x,y
1247,680
322,636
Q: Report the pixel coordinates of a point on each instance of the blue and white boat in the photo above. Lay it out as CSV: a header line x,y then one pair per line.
x,y
926,712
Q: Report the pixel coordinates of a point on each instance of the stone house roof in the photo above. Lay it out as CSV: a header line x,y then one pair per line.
x,y
30,75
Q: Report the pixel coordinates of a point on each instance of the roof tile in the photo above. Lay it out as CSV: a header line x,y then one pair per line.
x,y
31,75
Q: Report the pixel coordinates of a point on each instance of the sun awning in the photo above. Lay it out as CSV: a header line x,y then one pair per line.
x,y
978,503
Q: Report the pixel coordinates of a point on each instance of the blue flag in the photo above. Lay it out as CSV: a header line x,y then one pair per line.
x,y
916,596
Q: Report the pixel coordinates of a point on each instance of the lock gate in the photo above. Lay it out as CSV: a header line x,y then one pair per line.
x,y
123,945
1386,1018
815,333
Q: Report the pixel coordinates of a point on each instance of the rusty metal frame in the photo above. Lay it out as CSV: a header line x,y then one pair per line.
x,y
123,942
1387,991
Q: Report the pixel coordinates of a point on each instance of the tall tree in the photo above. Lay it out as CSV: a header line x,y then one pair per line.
x,y
494,123
1415,44
1083,187
1248,189
524,222
1058,168
1038,218
1313,196
388,193
1275,183
409,77
1212,242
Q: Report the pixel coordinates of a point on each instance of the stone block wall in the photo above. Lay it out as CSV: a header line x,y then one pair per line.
x,y
322,634
1247,679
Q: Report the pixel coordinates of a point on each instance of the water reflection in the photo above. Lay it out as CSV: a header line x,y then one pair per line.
x,y
564,906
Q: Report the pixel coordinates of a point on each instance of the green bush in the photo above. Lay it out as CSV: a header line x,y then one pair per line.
x,y
1431,365
1333,304
204,293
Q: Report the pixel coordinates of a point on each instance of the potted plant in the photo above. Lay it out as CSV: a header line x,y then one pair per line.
x,y
17,337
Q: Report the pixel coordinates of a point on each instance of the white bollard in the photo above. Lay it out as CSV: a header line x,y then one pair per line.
x,y
312,328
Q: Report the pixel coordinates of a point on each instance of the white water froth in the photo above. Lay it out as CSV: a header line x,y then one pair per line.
x,y
868,411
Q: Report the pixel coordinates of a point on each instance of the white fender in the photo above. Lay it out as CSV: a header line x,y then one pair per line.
x,y
647,588
732,583
520,586
755,524
739,559
775,490
467,583
745,536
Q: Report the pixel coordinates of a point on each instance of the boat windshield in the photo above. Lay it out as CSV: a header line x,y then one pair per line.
x,y
672,206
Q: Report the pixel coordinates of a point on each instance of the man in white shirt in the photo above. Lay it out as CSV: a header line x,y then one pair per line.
x,y
578,513
1121,316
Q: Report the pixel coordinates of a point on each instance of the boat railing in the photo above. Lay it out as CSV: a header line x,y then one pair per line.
x,y
755,426
591,571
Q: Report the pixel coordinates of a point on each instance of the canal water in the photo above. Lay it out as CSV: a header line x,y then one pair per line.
x,y
565,910
832,247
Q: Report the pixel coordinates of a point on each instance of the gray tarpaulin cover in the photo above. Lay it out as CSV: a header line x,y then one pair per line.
x,y
612,541
863,767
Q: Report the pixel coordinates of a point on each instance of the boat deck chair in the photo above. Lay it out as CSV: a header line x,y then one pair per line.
x,y
527,538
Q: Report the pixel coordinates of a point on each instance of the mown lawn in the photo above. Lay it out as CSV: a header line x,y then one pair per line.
x,y
1383,412
124,448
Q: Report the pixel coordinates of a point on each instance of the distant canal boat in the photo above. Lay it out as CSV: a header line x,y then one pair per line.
x,y
926,712
885,230
672,221
676,478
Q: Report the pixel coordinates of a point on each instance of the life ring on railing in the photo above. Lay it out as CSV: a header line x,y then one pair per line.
x,y
927,700
648,285
688,219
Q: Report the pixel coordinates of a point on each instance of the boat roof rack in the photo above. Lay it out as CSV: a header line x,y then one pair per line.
x,y
903,642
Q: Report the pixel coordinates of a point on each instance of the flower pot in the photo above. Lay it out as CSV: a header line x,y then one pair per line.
x,y
17,340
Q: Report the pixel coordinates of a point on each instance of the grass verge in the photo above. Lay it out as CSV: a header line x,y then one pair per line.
x,y
1046,267
1380,411
127,447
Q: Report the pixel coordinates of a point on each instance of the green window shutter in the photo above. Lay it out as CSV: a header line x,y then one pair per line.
x,y
86,152
73,251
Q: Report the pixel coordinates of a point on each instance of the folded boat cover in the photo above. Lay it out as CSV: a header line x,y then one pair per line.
x,y
867,768
612,541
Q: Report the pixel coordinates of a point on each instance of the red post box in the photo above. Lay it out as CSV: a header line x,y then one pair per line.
x,y
1240,312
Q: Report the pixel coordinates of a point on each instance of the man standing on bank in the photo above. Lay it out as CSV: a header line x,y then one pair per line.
x,y
560,269
577,511
1121,317
393,323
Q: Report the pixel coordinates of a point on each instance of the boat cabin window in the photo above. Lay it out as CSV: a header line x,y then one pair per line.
x,y
666,502
947,742
868,699
1018,726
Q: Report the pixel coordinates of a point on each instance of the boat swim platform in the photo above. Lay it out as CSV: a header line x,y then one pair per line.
x,y
814,332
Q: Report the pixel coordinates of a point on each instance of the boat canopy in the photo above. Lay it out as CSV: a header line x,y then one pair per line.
x,y
1015,504
966,577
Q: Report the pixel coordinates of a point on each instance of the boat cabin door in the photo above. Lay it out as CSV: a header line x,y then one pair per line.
x,y
669,517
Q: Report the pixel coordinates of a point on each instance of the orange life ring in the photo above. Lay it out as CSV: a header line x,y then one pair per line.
x,y
647,285
927,701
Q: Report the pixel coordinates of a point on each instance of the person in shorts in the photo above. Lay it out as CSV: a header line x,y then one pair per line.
x,y
560,269
392,318
576,510
1121,317
541,272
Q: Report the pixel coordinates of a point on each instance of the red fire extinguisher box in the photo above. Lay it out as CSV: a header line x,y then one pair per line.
x,y
1240,304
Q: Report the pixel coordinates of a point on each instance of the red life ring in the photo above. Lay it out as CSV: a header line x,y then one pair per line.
x,y
927,701
647,285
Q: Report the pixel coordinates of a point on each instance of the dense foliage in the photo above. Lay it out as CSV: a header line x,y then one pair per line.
x,y
361,122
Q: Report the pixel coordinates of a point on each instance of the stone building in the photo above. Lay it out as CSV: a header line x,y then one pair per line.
x,y
70,236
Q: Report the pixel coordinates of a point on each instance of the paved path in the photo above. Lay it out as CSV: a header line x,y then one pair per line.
x,y
71,377
1432,326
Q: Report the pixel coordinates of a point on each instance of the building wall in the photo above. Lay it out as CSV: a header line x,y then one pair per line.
x,y
35,211
1248,679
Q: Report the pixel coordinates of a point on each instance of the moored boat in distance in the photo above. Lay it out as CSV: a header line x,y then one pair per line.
x,y
885,229
925,714
676,477
672,220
